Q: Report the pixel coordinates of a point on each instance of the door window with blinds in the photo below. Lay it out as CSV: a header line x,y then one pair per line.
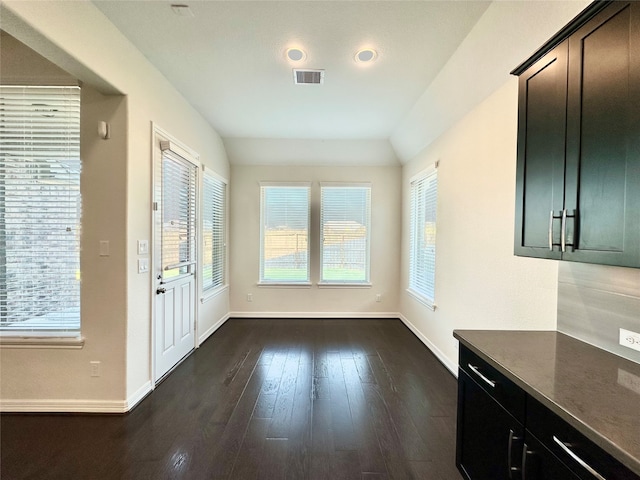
x,y
40,209
284,233
345,219
178,208
214,193
422,259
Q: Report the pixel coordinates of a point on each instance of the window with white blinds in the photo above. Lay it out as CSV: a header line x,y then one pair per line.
x,y
422,260
345,219
284,245
214,192
178,215
40,210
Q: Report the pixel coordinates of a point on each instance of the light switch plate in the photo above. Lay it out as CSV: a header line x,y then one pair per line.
x,y
143,265
143,247
104,248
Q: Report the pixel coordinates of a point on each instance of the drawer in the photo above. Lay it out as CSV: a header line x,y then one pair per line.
x,y
539,463
503,390
572,448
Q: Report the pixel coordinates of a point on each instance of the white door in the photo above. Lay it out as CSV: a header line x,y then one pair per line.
x,y
175,260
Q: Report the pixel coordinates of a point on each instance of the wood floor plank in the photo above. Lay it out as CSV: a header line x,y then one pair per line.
x,y
341,421
413,444
390,443
247,463
300,441
281,418
264,398
274,456
366,438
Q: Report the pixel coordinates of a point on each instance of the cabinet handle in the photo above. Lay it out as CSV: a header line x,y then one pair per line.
x,y
563,231
475,370
551,230
525,452
581,462
512,469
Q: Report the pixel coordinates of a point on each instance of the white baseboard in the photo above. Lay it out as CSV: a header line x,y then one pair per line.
x,y
75,406
313,314
138,396
63,406
212,329
451,366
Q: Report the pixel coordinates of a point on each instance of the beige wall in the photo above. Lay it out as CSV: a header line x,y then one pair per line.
x,y
41,378
314,301
77,36
480,284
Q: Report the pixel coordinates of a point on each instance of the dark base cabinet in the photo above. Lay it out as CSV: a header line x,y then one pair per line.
x,y
504,433
487,450
491,413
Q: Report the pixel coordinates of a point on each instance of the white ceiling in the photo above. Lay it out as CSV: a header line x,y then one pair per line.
x,y
228,61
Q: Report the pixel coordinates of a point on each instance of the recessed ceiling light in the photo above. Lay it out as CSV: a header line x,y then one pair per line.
x,y
366,55
182,10
296,54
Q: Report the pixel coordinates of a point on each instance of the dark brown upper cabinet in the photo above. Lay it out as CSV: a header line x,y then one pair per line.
x,y
578,170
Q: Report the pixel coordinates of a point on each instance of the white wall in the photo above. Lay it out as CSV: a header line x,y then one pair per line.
x,y
480,284
314,301
77,36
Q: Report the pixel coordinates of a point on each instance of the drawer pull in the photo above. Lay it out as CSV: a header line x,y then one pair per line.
x,y
475,370
581,462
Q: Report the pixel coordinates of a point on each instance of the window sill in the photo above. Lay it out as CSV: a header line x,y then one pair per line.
x,y
284,285
430,304
213,293
344,285
25,341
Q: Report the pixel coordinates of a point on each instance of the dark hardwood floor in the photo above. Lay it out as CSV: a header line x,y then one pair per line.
x,y
267,399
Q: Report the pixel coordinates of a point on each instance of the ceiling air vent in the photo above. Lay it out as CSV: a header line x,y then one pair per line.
x,y
308,77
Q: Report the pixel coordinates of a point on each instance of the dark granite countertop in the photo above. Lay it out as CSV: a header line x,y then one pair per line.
x,y
595,391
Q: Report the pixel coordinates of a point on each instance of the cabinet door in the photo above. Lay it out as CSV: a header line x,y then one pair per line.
x,y
489,439
541,155
603,144
538,463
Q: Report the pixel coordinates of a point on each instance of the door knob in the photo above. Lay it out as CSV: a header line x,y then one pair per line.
x,y
161,290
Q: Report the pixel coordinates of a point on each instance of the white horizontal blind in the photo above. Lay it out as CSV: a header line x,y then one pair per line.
x,y
178,215
284,246
40,209
213,231
422,261
345,217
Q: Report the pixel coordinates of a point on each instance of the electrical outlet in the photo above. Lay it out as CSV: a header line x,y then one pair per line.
x,y
95,368
249,297
630,339
378,297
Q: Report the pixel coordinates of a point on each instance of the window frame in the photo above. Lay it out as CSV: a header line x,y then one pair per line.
x,y
66,336
283,282
211,290
367,214
417,184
